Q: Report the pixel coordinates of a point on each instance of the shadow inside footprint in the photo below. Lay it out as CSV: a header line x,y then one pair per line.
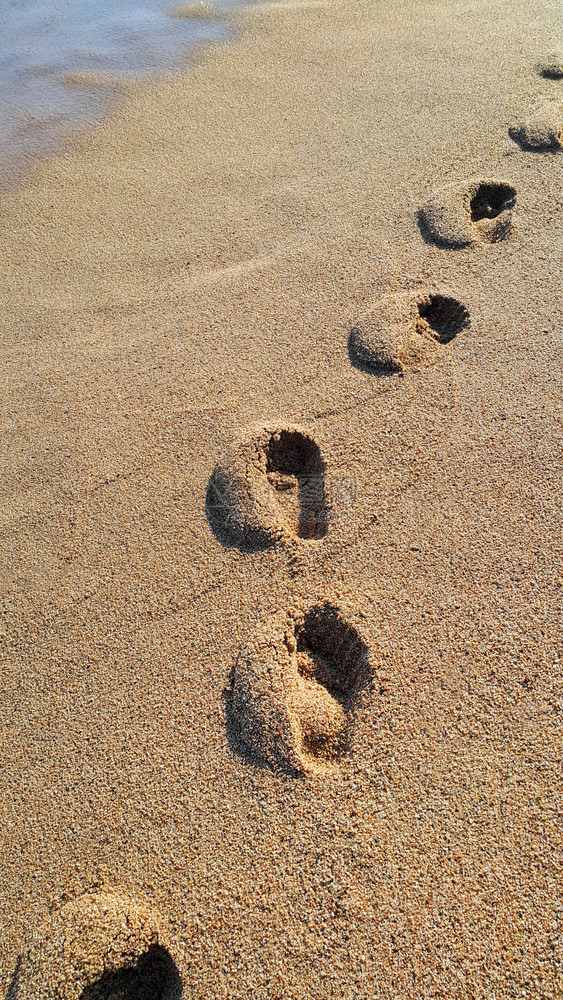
x,y
332,662
364,361
154,976
432,236
445,317
541,132
296,471
490,199
552,70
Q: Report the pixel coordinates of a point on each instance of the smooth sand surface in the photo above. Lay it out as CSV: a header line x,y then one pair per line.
x,y
189,270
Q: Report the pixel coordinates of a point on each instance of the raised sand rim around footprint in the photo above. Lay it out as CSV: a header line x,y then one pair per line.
x,y
541,129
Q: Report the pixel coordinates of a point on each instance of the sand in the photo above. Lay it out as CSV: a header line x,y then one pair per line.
x,y
188,271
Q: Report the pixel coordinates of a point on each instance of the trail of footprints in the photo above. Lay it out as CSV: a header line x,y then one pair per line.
x,y
296,684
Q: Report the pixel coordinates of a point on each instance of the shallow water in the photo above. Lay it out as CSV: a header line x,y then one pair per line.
x,y
43,40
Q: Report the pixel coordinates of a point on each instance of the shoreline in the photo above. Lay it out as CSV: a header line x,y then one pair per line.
x,y
178,288
77,97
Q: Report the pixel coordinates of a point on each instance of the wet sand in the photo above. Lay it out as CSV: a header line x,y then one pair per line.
x,y
281,605
60,64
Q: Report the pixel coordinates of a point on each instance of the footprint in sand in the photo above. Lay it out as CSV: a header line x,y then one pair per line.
x,y
406,330
551,69
541,131
470,211
294,690
100,947
271,486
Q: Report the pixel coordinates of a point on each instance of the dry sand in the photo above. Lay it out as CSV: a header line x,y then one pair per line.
x,y
192,269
